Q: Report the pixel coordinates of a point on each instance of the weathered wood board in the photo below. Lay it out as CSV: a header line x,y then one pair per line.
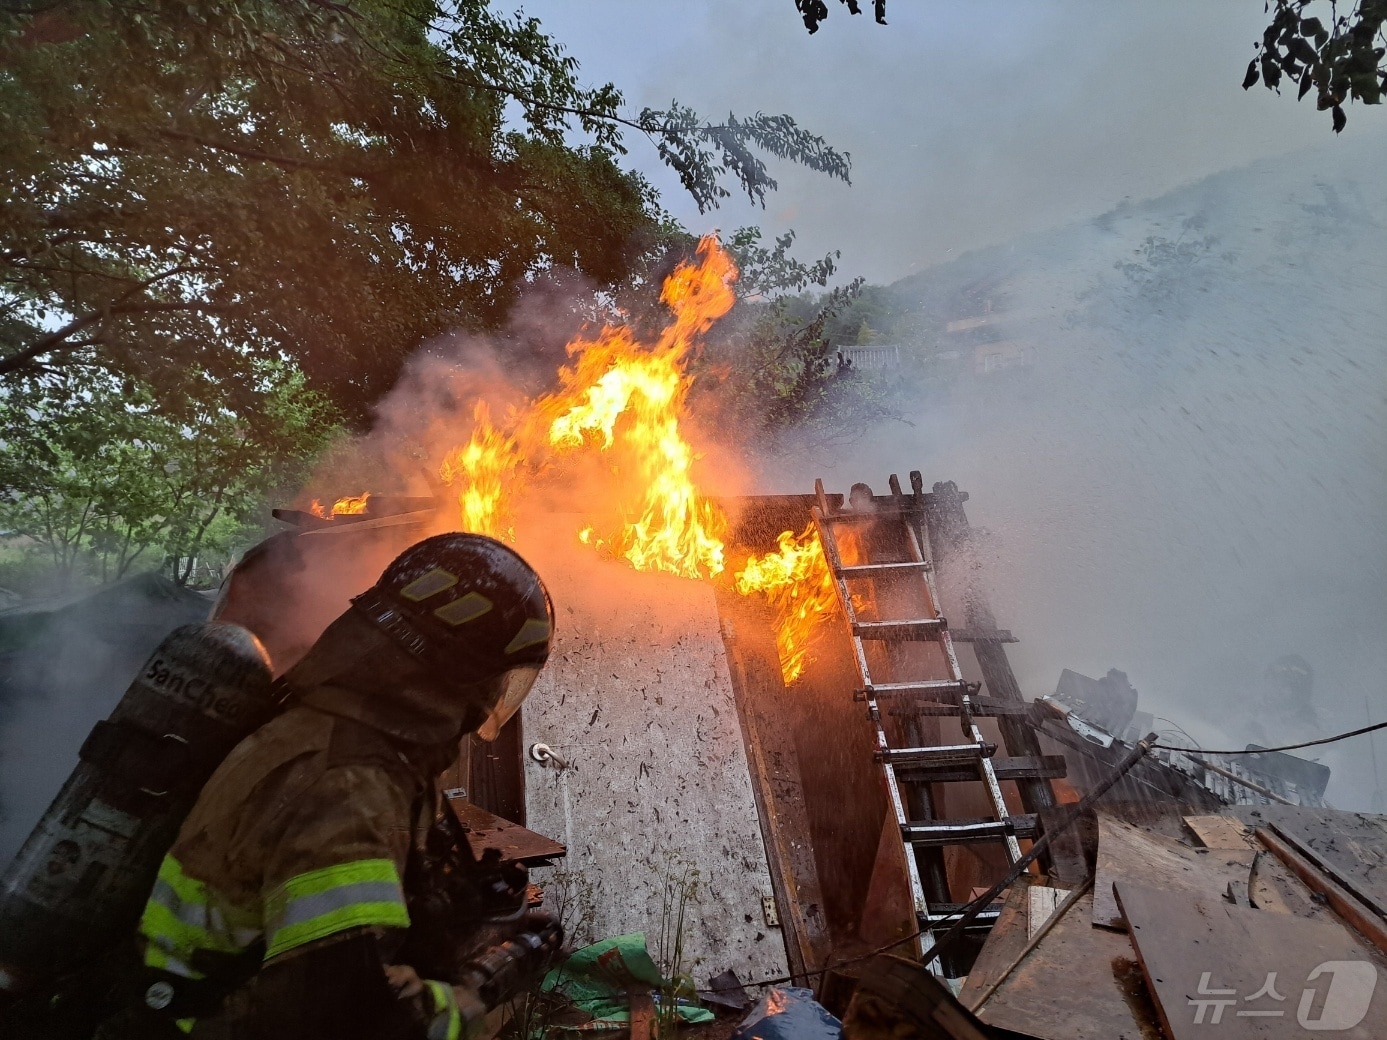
x,y
1222,972
1079,983
1004,944
1222,832
1129,853
1044,901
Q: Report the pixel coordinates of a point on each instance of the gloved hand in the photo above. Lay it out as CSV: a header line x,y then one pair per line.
x,y
446,1012
453,1012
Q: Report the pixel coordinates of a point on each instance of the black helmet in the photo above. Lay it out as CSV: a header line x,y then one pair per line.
x,y
471,610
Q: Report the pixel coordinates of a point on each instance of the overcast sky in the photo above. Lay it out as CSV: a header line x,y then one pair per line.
x,y
969,121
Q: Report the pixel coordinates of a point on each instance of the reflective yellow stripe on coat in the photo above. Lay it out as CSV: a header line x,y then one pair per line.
x,y
365,893
183,916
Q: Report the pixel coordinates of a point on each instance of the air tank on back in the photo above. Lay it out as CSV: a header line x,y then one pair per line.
x,y
79,883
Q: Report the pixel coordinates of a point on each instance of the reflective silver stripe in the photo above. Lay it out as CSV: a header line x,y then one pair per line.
x,y
307,908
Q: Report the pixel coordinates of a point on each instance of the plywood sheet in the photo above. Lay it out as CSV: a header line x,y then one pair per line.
x,y
1222,972
1130,853
1079,983
655,791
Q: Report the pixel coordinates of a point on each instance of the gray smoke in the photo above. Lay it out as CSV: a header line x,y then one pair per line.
x,y
1185,477
64,665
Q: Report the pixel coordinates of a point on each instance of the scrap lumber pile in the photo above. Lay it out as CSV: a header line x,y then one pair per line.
x,y
1260,922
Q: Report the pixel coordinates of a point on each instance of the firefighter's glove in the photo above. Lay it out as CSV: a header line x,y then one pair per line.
x,y
446,1012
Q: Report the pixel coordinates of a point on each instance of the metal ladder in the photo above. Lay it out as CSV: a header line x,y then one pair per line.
x,y
909,771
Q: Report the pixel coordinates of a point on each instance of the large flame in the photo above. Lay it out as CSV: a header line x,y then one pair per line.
x,y
626,400
797,583
481,470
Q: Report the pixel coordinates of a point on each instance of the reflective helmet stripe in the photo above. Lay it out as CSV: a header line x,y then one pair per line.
x,y
323,902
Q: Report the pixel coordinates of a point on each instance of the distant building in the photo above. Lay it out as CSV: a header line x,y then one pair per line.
x,y
876,357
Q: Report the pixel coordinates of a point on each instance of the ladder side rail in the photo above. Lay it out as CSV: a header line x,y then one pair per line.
x,y
944,515
970,728
893,792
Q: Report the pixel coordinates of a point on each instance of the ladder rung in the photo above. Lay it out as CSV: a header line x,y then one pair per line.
x,y
938,833
906,628
1022,767
940,922
880,690
944,755
872,570
982,635
983,708
947,913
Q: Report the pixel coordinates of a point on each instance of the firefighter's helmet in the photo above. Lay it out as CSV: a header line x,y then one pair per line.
x,y
471,610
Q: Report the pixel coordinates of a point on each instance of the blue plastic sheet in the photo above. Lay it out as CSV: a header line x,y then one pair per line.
x,y
789,1013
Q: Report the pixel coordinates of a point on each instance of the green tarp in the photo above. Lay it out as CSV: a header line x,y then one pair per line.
x,y
597,979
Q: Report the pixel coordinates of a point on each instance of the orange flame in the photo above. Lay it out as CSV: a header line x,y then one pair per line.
x,y
797,583
624,402
626,399
482,468
352,505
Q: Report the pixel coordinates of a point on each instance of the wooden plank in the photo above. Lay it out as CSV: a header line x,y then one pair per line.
x,y
1221,832
1004,943
1225,972
491,837
1044,901
1079,983
1130,853
642,1014
776,788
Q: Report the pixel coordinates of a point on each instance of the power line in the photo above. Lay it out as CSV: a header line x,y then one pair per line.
x,y
1283,747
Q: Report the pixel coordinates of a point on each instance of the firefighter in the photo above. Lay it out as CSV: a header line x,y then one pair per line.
x,y
281,909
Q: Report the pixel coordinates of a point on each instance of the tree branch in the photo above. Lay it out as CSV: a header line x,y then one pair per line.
x,y
29,355
256,155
